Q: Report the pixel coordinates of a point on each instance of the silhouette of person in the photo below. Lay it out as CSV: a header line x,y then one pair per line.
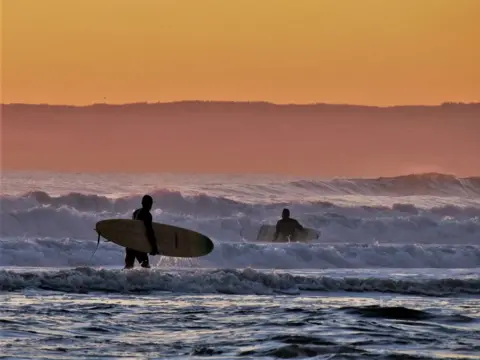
x,y
287,226
142,214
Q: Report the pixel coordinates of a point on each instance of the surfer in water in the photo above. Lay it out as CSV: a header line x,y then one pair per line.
x,y
143,214
287,226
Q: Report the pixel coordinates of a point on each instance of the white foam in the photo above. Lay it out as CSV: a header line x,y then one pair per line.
x,y
226,220
227,281
364,226
71,252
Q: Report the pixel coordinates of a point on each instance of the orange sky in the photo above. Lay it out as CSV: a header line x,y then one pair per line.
x,y
372,52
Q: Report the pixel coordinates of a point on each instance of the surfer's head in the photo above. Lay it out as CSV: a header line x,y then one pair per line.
x,y
147,202
285,213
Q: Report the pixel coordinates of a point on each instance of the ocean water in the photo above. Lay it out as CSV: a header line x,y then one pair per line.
x,y
395,274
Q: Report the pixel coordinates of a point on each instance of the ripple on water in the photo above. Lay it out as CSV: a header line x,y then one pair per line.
x,y
71,326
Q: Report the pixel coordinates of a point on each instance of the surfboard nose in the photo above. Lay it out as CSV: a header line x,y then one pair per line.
x,y
208,245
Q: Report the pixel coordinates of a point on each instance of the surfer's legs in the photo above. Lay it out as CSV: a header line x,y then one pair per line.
x,y
143,259
131,255
129,258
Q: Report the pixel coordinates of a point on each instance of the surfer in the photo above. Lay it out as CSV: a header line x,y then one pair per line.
x,y
287,226
143,214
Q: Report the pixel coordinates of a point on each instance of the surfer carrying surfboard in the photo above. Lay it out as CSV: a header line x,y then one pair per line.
x,y
286,226
143,214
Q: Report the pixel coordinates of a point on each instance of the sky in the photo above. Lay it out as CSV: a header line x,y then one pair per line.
x,y
369,52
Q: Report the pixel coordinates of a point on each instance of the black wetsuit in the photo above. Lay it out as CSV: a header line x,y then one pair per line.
x,y
287,227
142,257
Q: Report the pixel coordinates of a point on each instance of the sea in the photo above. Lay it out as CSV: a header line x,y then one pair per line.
x,y
395,273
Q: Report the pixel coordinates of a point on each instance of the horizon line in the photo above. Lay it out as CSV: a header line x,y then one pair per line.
x,y
261,174
244,102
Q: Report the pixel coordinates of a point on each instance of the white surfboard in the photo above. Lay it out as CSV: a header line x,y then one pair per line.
x,y
171,240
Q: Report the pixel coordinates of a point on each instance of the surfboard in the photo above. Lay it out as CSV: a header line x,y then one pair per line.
x,y
266,233
171,240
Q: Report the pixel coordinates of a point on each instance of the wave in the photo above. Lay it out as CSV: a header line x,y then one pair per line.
x,y
48,252
407,185
207,204
247,281
75,215
405,313
174,200
39,228
253,188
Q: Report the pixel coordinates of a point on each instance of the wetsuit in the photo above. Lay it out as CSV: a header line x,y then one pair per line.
x,y
287,227
142,257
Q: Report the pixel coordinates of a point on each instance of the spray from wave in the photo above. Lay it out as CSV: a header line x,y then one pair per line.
x,y
46,252
74,216
385,222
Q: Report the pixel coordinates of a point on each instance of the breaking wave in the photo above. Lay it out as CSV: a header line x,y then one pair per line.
x,y
70,252
247,281
74,216
251,188
433,184
429,220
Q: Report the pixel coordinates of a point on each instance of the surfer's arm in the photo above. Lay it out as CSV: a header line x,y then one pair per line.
x,y
299,226
277,231
150,233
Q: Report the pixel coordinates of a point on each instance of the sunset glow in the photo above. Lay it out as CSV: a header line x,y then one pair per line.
x,y
371,52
